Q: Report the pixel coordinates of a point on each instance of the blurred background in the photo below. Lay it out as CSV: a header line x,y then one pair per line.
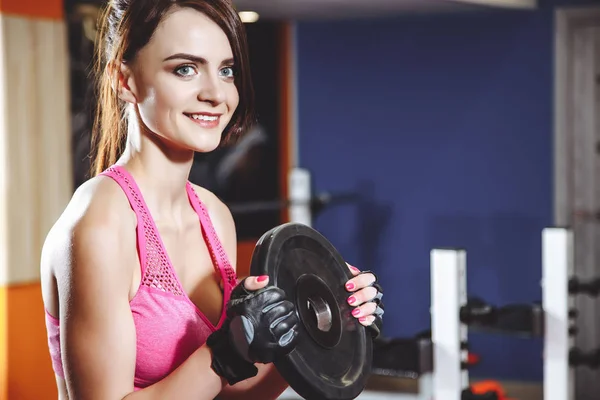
x,y
453,123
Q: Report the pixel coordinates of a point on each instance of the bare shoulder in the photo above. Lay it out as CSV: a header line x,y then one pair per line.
x,y
221,219
214,204
98,219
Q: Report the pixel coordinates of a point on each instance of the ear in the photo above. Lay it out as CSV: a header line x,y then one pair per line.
x,y
122,82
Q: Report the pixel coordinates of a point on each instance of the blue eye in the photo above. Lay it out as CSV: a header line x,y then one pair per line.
x,y
185,70
228,72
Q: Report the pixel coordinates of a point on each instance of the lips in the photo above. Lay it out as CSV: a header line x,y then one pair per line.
x,y
205,120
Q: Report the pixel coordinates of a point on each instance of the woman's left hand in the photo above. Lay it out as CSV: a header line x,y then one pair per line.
x,y
365,298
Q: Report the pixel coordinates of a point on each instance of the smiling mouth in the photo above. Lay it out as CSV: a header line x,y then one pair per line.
x,y
203,117
205,120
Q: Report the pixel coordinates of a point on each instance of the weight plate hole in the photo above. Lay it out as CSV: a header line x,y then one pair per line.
x,y
321,312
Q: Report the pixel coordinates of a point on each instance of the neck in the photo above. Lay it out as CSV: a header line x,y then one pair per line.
x,y
160,171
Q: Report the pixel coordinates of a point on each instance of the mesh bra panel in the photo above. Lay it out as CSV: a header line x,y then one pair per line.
x,y
157,274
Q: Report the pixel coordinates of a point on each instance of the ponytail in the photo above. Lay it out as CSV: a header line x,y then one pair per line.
x,y
109,132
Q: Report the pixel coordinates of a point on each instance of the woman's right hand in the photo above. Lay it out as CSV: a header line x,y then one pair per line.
x,y
261,325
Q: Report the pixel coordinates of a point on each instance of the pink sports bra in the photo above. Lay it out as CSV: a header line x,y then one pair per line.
x,y
169,327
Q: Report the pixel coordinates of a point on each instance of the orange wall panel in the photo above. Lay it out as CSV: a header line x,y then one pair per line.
x,y
25,367
3,344
43,9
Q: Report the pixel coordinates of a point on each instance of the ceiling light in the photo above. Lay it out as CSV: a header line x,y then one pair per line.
x,y
248,17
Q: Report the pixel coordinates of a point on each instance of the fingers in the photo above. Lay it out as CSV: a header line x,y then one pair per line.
x,y
256,282
288,339
362,296
360,281
275,310
283,321
254,289
379,289
355,271
367,320
283,324
369,309
364,310
366,295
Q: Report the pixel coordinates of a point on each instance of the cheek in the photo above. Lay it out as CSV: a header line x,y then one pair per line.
x,y
233,99
147,108
162,105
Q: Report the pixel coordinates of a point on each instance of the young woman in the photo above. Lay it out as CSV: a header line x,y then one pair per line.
x,y
138,273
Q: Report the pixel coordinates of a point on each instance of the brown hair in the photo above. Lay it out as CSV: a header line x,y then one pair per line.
x,y
126,27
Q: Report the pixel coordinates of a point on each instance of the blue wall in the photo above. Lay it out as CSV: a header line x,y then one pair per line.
x,y
444,123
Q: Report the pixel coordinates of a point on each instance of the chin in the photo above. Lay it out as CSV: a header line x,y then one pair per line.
x,y
205,143
204,148
202,139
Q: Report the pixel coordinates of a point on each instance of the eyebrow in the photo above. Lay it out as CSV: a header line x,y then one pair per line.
x,y
193,58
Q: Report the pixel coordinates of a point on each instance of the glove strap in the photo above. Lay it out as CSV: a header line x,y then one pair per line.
x,y
226,362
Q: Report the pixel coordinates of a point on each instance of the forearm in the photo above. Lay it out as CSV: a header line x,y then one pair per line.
x,y
193,379
268,384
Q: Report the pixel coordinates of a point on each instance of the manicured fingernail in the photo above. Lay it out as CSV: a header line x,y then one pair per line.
x,y
350,286
354,269
363,319
351,300
356,312
262,278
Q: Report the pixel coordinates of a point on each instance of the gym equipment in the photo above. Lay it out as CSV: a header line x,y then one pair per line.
x,y
469,394
452,315
410,357
517,319
316,203
490,390
431,356
303,204
560,355
449,335
334,353
590,288
578,358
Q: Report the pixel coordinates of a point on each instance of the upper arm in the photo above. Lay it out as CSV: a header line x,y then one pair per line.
x,y
97,330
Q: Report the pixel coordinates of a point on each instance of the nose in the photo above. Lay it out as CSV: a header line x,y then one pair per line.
x,y
211,90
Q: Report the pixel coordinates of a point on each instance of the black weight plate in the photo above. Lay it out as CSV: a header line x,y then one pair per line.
x,y
334,353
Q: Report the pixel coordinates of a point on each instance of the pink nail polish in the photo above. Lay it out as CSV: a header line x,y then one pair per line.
x,y
354,269
351,300
350,286
363,319
262,278
356,312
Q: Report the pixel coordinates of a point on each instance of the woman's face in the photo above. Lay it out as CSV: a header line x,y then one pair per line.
x,y
182,81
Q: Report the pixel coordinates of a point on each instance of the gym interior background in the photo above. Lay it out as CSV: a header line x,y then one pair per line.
x,y
443,122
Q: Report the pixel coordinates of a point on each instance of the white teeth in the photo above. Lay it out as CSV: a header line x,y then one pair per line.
x,y
204,117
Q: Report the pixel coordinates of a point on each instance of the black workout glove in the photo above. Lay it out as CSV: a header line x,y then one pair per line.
x,y
377,325
260,327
